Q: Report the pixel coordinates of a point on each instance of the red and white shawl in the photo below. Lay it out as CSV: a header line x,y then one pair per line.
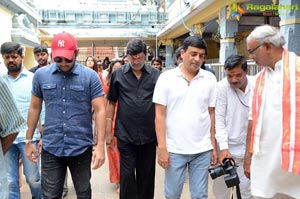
x,y
290,149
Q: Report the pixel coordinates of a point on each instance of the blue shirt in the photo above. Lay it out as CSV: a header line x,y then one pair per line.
x,y
20,88
68,107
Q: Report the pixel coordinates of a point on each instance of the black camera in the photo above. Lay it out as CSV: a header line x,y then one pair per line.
x,y
229,168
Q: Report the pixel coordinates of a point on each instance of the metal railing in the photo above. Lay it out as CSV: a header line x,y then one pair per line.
x,y
219,70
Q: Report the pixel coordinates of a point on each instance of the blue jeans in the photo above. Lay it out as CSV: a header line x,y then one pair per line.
x,y
197,165
54,171
31,171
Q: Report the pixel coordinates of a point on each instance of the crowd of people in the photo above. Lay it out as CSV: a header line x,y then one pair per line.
x,y
64,116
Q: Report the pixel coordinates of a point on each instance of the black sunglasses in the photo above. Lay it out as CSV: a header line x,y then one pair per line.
x,y
60,59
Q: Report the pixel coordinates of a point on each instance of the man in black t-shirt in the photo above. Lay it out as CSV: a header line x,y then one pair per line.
x,y
41,55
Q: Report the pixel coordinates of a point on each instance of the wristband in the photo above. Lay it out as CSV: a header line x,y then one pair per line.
x,y
28,141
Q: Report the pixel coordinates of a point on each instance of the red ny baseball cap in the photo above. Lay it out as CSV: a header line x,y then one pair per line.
x,y
63,45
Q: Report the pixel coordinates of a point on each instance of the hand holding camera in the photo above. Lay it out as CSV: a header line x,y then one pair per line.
x,y
228,167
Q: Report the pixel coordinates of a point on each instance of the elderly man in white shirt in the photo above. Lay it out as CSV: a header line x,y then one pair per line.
x,y
232,108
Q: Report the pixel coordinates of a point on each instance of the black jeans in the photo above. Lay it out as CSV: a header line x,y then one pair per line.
x,y
54,171
137,170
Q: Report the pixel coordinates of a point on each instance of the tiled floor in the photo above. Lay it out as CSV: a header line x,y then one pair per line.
x,y
102,189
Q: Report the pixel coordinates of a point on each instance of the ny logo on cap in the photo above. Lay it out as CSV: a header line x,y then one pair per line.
x,y
61,43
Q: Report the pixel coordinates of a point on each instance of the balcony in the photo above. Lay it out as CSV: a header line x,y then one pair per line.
x,y
100,19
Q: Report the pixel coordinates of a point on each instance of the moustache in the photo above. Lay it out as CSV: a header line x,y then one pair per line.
x,y
12,67
12,64
234,82
41,60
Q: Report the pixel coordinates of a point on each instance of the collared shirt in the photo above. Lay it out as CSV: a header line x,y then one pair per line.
x,y
136,113
11,122
42,116
67,97
34,69
187,117
20,88
232,110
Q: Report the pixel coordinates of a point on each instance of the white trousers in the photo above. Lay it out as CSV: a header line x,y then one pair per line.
x,y
277,196
221,191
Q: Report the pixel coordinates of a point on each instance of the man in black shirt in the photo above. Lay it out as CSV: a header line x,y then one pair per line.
x,y
41,55
132,86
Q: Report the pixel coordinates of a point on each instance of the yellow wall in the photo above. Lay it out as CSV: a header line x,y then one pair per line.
x,y
212,49
241,43
29,61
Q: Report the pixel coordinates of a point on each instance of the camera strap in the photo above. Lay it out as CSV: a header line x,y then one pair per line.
x,y
238,192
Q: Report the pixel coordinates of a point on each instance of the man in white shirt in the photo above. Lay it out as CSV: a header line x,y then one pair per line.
x,y
232,107
273,137
184,100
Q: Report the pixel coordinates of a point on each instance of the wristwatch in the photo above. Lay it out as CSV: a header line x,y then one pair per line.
x,y
28,141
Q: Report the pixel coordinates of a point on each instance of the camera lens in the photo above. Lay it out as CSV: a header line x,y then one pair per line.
x,y
216,171
228,167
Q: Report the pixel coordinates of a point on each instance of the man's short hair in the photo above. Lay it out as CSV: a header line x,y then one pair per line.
x,y
40,49
136,46
194,41
268,34
12,47
234,61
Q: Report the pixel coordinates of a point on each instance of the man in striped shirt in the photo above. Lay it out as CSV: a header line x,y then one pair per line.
x,y
19,81
11,122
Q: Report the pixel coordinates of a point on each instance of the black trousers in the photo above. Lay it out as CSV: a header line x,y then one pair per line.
x,y
54,171
137,170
